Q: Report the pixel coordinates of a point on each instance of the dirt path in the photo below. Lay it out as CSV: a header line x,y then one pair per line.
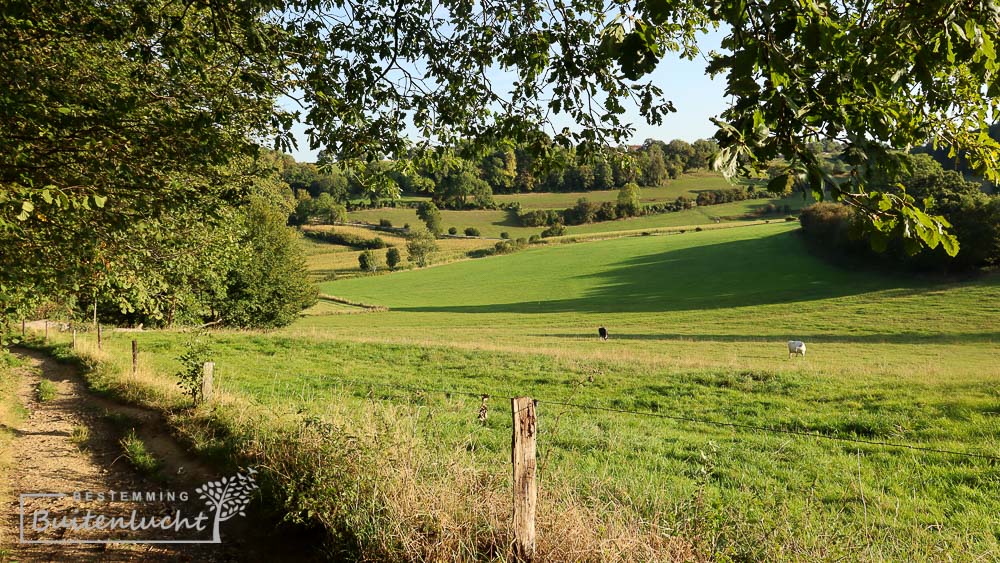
x,y
70,443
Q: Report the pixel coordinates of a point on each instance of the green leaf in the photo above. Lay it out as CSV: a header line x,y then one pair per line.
x,y
950,244
100,200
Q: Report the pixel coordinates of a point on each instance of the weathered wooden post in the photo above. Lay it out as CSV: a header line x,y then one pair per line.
x,y
23,333
135,357
46,330
206,381
100,341
525,483
74,339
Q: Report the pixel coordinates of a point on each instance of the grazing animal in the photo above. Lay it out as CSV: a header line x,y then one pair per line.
x,y
796,347
602,332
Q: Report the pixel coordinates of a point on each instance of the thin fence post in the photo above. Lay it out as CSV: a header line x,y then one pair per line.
x,y
100,340
135,357
23,333
208,372
46,330
525,482
74,339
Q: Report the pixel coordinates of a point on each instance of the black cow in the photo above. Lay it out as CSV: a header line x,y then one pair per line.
x,y
603,333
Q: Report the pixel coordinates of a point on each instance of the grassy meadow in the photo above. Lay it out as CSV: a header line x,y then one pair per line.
x,y
698,325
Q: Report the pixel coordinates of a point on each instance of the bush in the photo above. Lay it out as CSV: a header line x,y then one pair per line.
x,y
556,230
827,222
452,231
471,232
192,359
368,261
698,229
385,223
393,258
533,239
505,235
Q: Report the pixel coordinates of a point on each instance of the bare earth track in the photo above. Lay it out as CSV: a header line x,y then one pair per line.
x,y
45,458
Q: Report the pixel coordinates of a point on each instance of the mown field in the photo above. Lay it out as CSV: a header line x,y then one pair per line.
x,y
698,325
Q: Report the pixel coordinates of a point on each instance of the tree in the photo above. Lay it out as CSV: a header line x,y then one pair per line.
x,y
431,216
393,257
654,170
269,282
420,247
629,202
327,210
128,101
367,261
703,152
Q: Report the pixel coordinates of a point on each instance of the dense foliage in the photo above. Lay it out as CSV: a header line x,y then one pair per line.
x,y
973,215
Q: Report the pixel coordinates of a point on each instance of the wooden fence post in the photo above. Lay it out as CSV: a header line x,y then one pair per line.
x,y
135,357
23,333
46,330
74,339
525,483
206,381
100,342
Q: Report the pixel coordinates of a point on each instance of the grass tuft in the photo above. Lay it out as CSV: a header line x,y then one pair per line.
x,y
46,391
134,450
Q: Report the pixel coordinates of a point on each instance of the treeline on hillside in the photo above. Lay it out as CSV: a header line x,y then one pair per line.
x,y
628,204
973,214
454,182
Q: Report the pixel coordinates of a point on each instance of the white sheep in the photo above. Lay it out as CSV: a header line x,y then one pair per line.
x,y
796,347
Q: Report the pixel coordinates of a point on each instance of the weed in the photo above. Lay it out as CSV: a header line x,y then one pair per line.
x,y
46,391
80,436
134,450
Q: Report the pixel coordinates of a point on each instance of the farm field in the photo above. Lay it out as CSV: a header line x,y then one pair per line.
x,y
698,326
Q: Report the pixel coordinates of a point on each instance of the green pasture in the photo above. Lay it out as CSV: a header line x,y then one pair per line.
x,y
698,326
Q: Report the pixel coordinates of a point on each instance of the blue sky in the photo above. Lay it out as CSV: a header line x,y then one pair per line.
x,y
695,96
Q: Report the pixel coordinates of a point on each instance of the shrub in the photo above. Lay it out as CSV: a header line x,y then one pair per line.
x,y
385,223
826,222
505,235
554,231
192,359
533,239
471,232
452,231
698,229
393,258
368,261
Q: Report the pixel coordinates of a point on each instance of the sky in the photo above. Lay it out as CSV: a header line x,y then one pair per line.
x,y
695,96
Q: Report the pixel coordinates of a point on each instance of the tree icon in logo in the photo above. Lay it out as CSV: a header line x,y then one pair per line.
x,y
228,497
